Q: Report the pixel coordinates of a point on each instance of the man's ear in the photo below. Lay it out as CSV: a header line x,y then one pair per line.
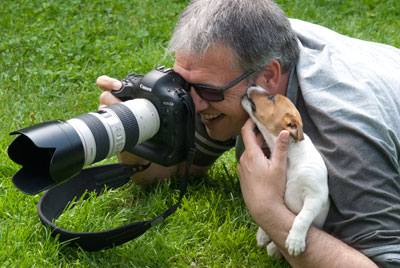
x,y
294,125
269,76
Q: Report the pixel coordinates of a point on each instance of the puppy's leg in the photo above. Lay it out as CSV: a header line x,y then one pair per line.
x,y
273,250
262,238
296,240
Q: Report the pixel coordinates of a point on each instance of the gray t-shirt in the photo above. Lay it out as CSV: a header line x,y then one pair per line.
x,y
348,94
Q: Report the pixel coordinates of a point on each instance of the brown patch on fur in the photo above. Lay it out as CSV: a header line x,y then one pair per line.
x,y
277,113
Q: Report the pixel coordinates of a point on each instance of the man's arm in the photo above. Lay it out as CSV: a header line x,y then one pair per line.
x,y
157,172
263,183
322,249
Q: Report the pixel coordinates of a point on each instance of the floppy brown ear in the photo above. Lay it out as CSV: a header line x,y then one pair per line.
x,y
294,125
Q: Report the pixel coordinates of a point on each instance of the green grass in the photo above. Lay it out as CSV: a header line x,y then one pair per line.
x,y
51,53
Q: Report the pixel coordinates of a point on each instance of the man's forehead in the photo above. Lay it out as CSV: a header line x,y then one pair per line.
x,y
217,56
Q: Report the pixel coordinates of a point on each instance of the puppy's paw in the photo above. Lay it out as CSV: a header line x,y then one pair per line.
x,y
273,251
295,244
262,238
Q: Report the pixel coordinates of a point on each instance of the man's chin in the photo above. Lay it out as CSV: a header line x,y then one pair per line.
x,y
217,135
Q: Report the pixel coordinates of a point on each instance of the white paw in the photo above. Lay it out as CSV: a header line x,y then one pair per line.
x,y
295,244
262,238
273,250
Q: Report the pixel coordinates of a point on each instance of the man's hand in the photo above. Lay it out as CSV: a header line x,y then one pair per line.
x,y
107,84
262,180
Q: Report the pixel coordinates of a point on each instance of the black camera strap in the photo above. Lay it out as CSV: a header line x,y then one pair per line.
x,y
96,179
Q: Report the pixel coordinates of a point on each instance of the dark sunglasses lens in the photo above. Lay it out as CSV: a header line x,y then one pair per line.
x,y
209,94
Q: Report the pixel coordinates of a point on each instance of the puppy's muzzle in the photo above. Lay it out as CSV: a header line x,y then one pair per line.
x,y
246,97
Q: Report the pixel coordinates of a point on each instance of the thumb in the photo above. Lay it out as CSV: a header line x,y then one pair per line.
x,y
279,156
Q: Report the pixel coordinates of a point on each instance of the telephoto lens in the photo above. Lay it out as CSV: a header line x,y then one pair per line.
x,y
55,151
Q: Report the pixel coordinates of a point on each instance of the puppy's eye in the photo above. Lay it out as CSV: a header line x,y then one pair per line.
x,y
271,97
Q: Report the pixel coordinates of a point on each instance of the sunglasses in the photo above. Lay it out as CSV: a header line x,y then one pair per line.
x,y
214,94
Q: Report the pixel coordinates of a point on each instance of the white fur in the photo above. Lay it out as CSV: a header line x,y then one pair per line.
x,y
306,188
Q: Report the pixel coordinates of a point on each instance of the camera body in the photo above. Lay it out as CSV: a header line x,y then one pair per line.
x,y
169,93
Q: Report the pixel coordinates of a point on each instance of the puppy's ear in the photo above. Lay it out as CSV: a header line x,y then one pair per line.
x,y
294,125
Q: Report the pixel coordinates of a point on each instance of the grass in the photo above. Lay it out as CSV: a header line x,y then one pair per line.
x,y
51,53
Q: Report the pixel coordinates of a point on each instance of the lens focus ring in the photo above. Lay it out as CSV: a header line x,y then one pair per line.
x,y
129,122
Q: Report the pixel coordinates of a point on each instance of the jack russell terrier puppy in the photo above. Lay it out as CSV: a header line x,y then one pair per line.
x,y
307,178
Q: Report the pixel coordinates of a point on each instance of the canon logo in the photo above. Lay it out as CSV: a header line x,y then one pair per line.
x,y
145,88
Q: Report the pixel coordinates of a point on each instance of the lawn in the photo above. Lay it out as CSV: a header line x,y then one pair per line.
x,y
52,51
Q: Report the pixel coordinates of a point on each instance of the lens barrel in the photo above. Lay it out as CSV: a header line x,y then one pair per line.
x,y
55,151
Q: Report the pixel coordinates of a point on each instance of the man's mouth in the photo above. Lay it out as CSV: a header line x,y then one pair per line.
x,y
211,119
210,116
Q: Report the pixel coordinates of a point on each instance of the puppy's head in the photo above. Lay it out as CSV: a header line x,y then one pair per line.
x,y
273,111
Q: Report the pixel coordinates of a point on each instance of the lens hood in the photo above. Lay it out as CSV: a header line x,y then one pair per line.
x,y
49,153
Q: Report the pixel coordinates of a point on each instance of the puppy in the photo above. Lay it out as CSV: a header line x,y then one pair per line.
x,y
307,178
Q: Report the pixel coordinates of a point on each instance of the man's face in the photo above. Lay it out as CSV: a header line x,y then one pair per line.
x,y
224,119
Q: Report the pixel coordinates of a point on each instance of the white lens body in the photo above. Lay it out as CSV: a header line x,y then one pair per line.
x,y
147,118
87,139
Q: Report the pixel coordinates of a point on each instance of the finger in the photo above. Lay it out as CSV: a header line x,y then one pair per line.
x,y
106,99
279,156
248,135
107,83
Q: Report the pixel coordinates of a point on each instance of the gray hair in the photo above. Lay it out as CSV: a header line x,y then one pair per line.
x,y
257,31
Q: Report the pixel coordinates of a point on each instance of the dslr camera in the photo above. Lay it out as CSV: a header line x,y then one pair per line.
x,y
155,121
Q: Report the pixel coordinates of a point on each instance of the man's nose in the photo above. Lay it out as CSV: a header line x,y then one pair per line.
x,y
199,103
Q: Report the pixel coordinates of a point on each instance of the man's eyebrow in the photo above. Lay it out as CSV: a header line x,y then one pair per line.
x,y
204,85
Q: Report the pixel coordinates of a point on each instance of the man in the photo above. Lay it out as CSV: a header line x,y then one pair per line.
x,y
347,92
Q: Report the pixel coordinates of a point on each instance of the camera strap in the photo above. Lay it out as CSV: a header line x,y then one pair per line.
x,y
96,179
